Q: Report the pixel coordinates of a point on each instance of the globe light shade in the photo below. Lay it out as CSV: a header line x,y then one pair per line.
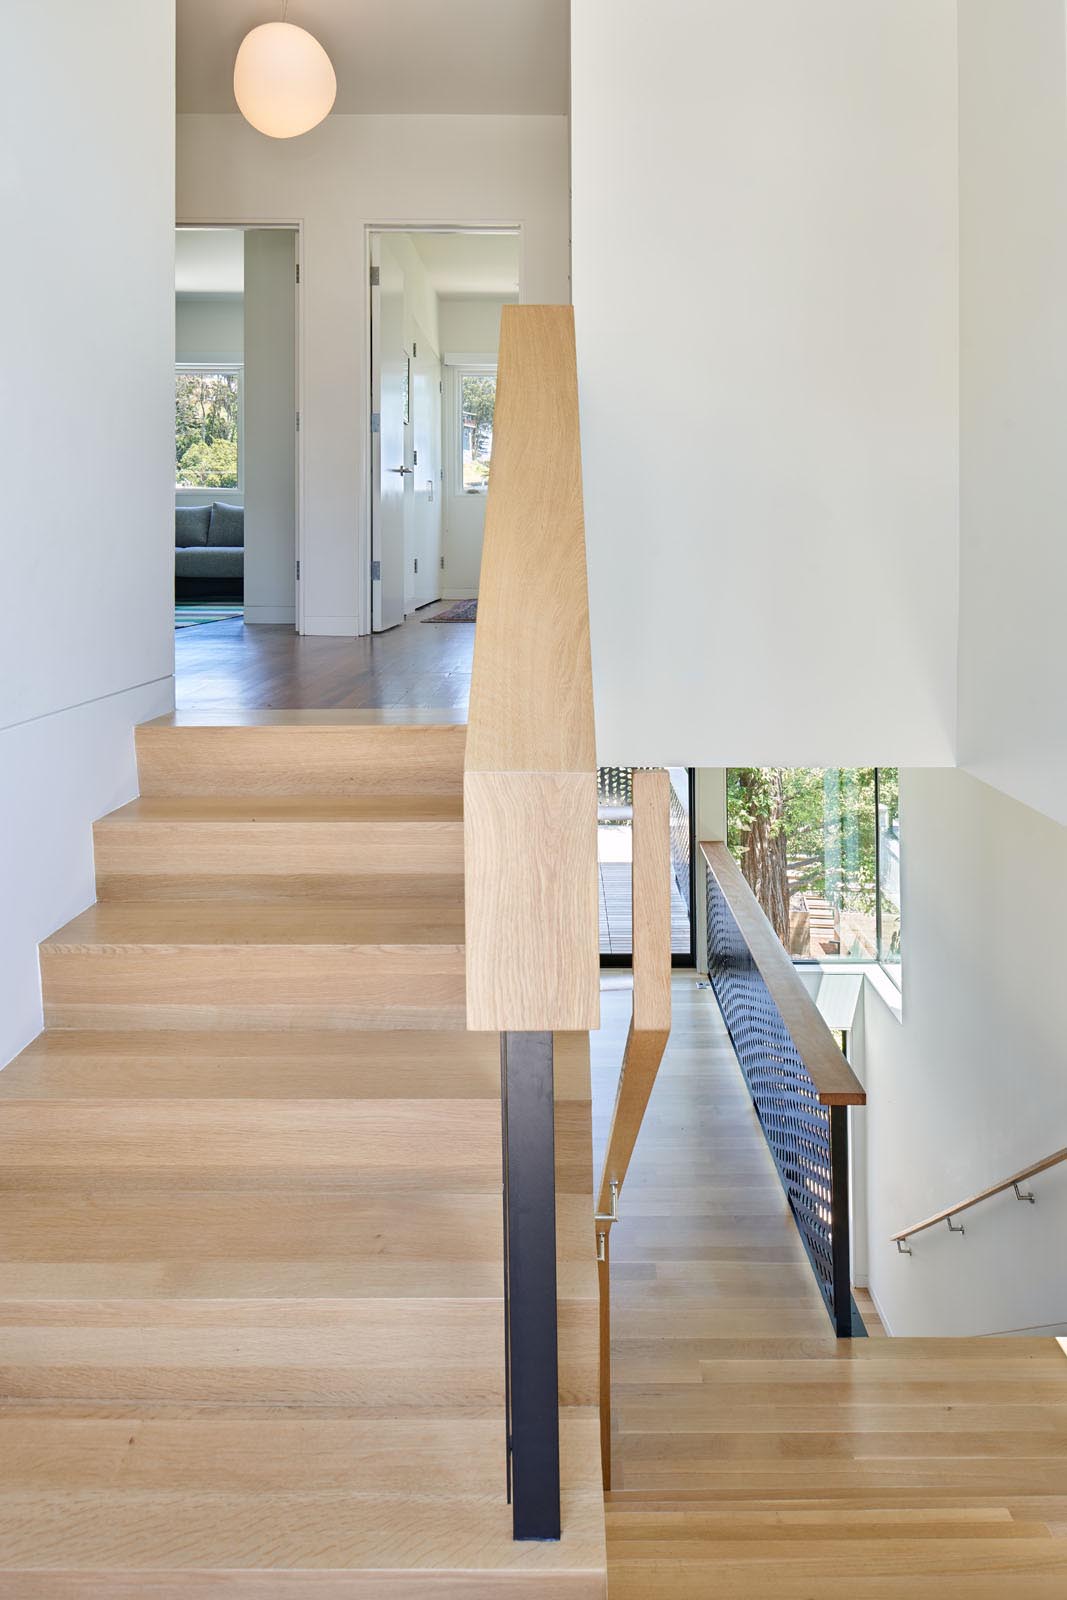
x,y
283,80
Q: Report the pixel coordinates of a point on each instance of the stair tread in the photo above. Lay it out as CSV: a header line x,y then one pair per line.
x,y
259,922
288,1064
195,1487
197,809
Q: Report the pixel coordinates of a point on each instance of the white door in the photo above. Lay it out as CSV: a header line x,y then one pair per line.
x,y
426,460
391,471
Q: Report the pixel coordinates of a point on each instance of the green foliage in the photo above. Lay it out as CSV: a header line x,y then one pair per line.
x,y
206,412
828,819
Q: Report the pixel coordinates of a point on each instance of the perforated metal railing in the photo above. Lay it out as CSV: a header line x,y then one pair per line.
x,y
809,1141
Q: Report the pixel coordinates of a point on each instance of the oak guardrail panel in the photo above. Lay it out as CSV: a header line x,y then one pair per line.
x,y
529,788
1013,1182
646,1041
651,1023
835,1082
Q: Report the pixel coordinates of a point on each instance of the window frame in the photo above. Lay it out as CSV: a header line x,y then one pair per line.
x,y
222,369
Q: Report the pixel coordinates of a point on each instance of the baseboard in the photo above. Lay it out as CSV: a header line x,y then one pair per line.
x,y
882,1318
460,594
254,614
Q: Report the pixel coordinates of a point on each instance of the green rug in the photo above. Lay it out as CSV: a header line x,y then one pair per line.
x,y
190,613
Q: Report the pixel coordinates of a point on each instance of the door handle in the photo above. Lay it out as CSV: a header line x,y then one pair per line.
x,y
401,469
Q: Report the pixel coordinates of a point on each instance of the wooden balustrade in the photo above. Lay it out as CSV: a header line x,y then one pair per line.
x,y
529,791
646,1041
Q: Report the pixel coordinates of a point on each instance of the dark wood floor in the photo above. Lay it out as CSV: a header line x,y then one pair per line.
x,y
224,666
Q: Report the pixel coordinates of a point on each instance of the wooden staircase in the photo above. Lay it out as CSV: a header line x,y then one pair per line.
x,y
251,1299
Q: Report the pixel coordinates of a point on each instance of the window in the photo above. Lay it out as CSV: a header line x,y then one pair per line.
x,y
820,847
476,399
207,428
887,801
615,865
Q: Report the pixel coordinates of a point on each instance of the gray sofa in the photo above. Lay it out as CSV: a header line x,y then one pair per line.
x,y
209,556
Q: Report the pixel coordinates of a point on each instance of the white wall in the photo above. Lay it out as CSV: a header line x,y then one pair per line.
x,y
1013,318
472,326
209,327
350,172
86,152
269,449
970,1087
765,287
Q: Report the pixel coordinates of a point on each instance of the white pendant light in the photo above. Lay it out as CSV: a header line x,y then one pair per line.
x,y
283,80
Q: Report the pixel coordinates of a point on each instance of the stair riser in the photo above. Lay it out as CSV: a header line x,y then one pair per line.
x,y
250,986
293,759
364,863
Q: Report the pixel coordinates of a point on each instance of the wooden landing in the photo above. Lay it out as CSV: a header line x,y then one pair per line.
x,y
755,1455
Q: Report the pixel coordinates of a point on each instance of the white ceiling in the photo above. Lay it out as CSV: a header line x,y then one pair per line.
x,y
470,264
452,56
209,261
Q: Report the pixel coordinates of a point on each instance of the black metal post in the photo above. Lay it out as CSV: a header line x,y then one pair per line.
x,y
531,1347
839,1222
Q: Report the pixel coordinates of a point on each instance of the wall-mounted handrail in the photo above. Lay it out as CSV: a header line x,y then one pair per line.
x,y
529,827
800,1083
650,1027
1013,1182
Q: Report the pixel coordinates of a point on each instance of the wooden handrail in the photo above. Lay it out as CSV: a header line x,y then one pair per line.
x,y
529,789
983,1194
650,1027
835,1082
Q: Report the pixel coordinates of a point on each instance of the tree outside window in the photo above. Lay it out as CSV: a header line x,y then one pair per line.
x,y
820,848
207,429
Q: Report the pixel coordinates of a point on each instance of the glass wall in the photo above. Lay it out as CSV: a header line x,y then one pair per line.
x,y
820,847
615,862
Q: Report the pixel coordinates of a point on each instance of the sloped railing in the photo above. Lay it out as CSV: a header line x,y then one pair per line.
x,y
530,817
800,1083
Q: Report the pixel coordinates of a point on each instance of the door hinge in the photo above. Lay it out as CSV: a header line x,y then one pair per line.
x,y
414,347
416,564
375,422
298,422
375,277
298,272
376,571
415,454
442,563
298,572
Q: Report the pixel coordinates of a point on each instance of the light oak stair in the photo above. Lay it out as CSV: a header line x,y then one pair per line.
x,y
251,1317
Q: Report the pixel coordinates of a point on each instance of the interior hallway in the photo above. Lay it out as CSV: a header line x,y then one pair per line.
x,y
753,1453
228,666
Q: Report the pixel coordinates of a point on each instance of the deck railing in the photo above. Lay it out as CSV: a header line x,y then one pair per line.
x,y
530,816
801,1084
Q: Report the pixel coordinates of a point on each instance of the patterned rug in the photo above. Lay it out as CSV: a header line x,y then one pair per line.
x,y
190,614
462,611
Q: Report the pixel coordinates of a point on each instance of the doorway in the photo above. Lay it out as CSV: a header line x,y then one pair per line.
x,y
236,422
436,297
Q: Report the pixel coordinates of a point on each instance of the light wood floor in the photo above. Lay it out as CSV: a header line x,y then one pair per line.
x,y
755,1456
228,666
